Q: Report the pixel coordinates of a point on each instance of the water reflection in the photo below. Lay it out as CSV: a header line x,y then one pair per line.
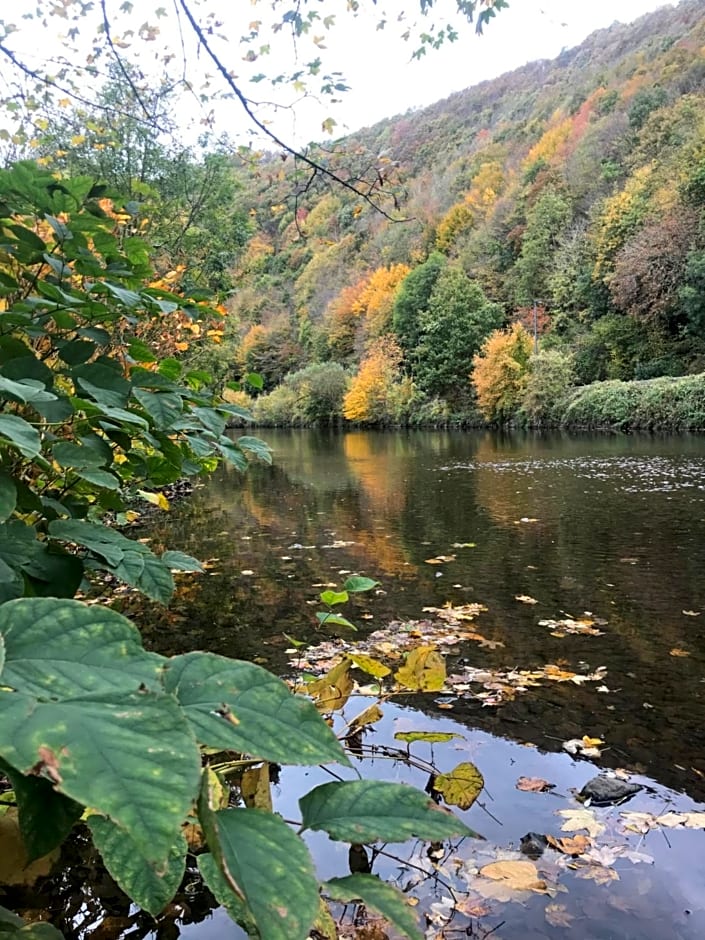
x,y
611,525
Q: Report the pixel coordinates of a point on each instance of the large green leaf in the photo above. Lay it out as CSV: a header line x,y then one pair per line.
x,y
373,810
62,648
102,540
224,895
380,896
45,816
273,869
8,496
156,580
240,706
179,561
164,408
13,926
149,884
28,391
256,447
76,456
130,756
21,435
355,584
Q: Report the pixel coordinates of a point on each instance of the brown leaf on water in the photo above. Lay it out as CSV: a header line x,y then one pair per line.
x,y
678,652
472,908
331,691
533,785
557,915
525,599
597,873
570,845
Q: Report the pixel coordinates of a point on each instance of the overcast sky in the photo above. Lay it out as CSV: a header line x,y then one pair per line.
x,y
377,64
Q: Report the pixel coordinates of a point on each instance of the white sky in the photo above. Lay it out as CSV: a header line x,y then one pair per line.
x,y
377,64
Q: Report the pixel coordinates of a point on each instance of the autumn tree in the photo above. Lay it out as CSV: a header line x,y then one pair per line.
x,y
376,300
367,399
500,372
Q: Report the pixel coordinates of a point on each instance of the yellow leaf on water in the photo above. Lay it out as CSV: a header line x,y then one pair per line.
x,y
517,875
678,652
461,787
332,691
423,671
591,742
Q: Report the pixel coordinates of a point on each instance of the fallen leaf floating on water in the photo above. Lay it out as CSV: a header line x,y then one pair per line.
x,y
597,873
583,747
515,875
570,845
533,785
456,614
557,915
524,520
367,717
464,545
430,737
692,613
525,599
576,819
424,670
440,559
678,652
570,627
645,822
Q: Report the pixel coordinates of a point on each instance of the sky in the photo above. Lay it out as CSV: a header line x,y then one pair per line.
x,y
377,64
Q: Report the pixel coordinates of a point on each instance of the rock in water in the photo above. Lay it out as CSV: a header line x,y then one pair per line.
x,y
605,791
533,844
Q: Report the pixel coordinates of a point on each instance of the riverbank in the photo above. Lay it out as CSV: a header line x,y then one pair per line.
x,y
667,403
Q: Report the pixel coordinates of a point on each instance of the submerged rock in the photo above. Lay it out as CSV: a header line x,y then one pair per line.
x,y
533,844
605,791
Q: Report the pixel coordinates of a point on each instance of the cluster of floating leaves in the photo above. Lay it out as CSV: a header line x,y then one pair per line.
x,y
587,625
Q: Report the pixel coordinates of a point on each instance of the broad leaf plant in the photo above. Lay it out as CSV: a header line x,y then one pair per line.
x,y
92,726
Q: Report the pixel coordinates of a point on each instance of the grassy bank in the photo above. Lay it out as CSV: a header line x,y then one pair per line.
x,y
662,404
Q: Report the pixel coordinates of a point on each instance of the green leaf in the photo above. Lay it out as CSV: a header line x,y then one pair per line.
x,y
256,447
21,435
149,884
77,351
171,368
156,580
430,737
327,619
356,584
100,539
28,391
372,811
224,894
380,896
45,816
164,408
255,380
274,870
8,496
130,756
103,383
334,597
17,928
76,456
63,648
240,706
181,562
101,478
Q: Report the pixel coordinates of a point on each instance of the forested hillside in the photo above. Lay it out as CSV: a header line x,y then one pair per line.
x,y
566,196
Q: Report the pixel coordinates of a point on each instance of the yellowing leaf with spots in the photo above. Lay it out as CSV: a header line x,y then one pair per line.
x,y
333,690
371,666
423,671
368,717
461,787
430,737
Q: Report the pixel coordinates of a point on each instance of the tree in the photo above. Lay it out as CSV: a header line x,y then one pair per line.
x,y
500,372
367,398
410,302
458,318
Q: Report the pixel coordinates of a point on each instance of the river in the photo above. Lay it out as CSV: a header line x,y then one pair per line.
x,y
605,531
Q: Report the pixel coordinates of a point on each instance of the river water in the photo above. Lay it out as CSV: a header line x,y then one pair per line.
x,y
606,529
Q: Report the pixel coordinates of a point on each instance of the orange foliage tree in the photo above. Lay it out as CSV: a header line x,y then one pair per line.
x,y
341,321
368,397
500,372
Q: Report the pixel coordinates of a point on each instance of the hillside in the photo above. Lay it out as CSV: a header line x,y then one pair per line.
x,y
575,187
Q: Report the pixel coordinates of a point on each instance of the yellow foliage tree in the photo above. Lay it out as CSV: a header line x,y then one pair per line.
x,y
376,299
500,372
368,397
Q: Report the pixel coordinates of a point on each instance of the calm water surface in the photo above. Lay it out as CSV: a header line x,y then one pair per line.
x,y
610,525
